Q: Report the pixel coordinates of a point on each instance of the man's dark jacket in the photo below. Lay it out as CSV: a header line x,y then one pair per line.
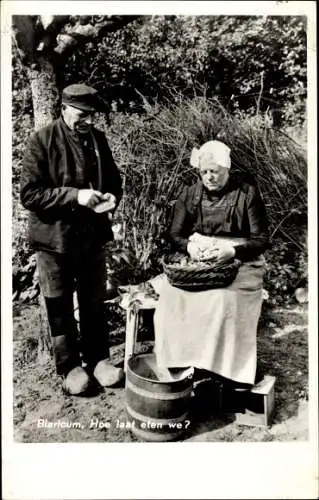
x,y
52,174
244,216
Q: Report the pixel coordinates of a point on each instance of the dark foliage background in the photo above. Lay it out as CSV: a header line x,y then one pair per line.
x,y
173,83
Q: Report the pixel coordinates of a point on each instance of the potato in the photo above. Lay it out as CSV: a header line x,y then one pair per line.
x,y
107,204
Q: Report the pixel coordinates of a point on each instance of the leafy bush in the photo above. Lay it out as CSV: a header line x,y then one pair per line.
x,y
232,78
22,126
252,63
153,150
153,153
286,270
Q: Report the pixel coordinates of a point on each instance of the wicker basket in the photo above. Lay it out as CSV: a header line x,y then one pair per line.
x,y
200,275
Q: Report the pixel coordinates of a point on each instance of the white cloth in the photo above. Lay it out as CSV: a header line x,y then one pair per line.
x,y
215,149
215,330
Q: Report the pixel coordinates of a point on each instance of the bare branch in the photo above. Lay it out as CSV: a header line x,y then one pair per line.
x,y
36,35
24,31
80,33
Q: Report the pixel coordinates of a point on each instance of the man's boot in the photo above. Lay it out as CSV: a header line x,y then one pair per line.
x,y
75,379
106,374
76,382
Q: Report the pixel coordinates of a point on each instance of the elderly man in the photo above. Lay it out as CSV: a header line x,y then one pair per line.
x,y
71,185
219,218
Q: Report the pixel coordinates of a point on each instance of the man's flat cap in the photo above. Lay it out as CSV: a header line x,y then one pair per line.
x,y
82,96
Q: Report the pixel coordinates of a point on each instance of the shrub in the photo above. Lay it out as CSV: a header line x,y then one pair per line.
x,y
153,150
286,270
257,62
153,153
22,128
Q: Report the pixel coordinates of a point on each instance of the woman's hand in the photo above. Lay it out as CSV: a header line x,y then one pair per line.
x,y
223,252
201,247
194,250
198,251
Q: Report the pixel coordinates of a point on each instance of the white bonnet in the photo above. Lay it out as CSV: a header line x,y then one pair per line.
x,y
218,150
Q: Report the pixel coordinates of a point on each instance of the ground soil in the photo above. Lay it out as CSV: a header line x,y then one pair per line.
x,y
282,352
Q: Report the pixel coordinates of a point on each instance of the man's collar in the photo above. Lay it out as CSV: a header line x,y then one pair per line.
x,y
71,132
66,127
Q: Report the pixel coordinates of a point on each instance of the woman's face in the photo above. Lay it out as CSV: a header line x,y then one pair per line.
x,y
214,177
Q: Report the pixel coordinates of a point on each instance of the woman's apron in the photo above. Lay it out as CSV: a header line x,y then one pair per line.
x,y
215,330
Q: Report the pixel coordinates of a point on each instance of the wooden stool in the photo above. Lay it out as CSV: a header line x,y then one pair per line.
x,y
132,322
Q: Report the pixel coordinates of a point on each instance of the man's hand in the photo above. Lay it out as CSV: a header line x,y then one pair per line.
x,y
106,204
89,197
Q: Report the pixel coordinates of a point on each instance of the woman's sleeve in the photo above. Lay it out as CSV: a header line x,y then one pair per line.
x,y
258,241
178,230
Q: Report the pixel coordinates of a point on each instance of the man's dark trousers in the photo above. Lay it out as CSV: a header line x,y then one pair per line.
x,y
59,276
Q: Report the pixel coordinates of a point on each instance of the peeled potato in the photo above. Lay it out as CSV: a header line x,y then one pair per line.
x,y
107,204
104,206
108,196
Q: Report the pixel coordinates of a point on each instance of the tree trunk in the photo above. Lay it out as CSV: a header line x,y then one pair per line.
x,y
45,94
45,97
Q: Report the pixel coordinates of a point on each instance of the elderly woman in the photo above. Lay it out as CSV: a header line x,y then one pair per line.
x,y
222,218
